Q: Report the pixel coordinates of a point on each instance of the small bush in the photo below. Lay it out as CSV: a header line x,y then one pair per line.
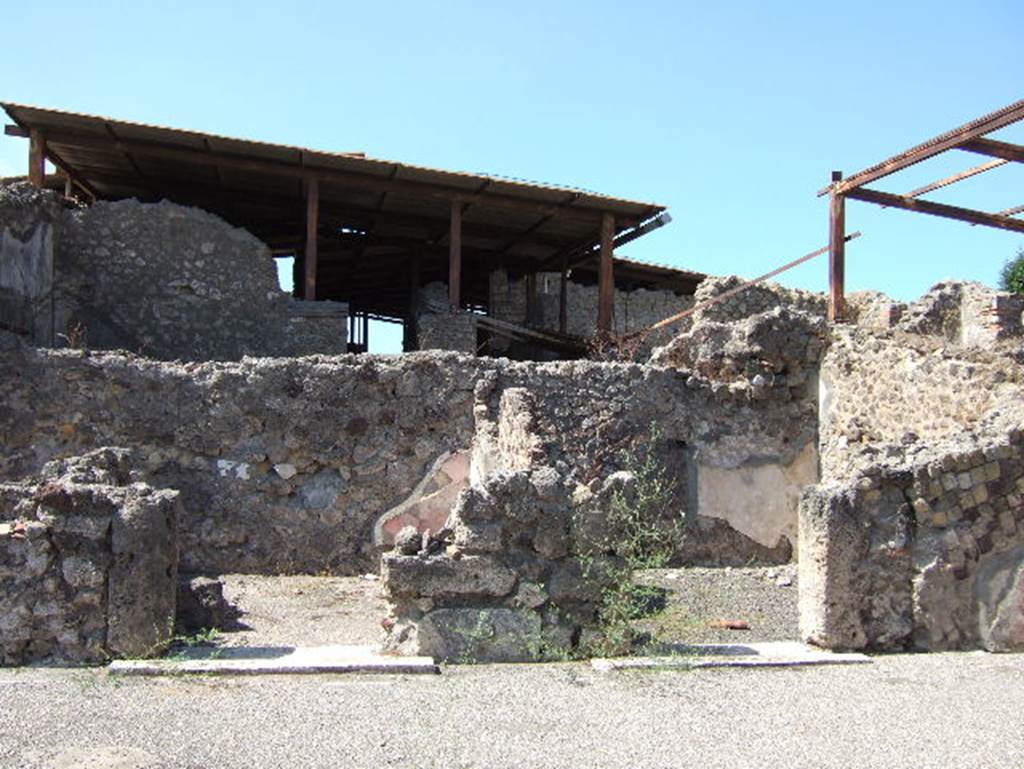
x,y
1012,276
644,538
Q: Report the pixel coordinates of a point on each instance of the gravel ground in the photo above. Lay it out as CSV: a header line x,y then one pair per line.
x,y
304,611
697,598
938,711
308,611
941,710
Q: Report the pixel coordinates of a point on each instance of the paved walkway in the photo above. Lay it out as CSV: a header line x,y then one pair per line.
x,y
935,711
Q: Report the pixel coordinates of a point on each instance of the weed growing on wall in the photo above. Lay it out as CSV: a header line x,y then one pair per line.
x,y
639,536
646,537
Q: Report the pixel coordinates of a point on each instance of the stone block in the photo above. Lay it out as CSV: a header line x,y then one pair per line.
x,y
405,576
480,635
144,572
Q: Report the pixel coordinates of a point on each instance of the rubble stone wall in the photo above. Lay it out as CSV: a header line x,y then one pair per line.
x,y
632,311
88,564
162,280
285,465
927,555
914,539
754,300
905,392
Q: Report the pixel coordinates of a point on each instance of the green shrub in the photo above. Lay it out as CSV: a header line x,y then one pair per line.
x,y
644,538
1012,277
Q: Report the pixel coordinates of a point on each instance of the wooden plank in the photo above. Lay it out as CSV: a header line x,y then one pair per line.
x,y
17,130
455,256
733,291
995,149
837,256
548,337
936,209
606,278
37,159
932,147
312,236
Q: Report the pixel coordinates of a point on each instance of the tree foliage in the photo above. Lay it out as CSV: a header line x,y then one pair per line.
x,y
1012,277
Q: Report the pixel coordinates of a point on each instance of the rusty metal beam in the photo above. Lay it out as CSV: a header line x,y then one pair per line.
x,y
837,254
995,149
733,291
935,209
956,178
947,141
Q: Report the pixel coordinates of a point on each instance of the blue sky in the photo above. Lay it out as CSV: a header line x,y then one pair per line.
x,y
731,114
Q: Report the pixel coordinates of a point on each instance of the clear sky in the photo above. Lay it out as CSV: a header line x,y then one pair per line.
x,y
731,114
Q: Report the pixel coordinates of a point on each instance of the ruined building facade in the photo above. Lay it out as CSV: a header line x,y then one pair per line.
x,y
182,431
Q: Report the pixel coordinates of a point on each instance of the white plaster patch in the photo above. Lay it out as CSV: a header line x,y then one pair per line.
x,y
227,468
760,501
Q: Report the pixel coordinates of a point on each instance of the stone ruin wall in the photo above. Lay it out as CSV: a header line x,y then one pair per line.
x,y
161,280
632,310
287,465
915,537
910,540
520,569
88,563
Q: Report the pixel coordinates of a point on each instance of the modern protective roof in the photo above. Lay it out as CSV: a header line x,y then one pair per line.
x,y
373,213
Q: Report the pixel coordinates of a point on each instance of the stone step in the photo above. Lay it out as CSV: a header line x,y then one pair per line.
x,y
276,660
765,654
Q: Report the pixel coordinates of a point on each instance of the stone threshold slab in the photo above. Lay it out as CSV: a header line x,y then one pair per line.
x,y
750,655
276,660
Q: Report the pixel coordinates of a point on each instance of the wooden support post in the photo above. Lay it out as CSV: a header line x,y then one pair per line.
x,y
837,254
455,257
563,295
366,331
36,159
312,231
606,280
411,341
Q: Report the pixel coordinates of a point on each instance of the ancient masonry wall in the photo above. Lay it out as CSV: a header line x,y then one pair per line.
x,y
915,538
162,280
286,465
88,563
926,555
633,310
